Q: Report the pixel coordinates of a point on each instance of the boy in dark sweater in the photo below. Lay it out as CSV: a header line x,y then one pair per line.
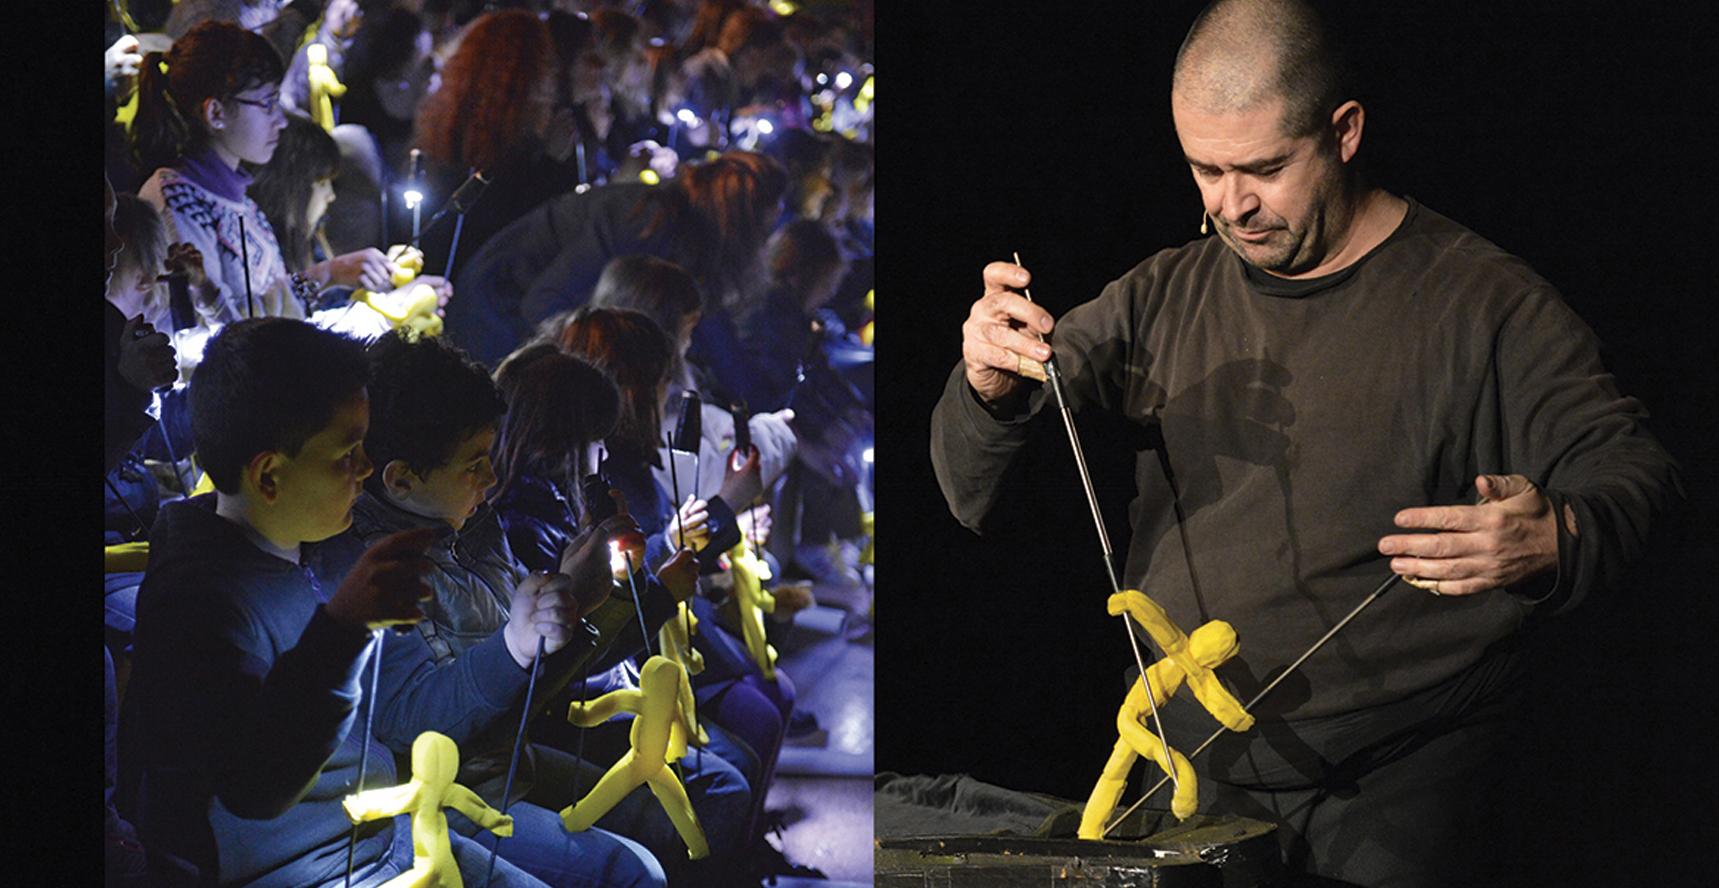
x,y
238,724
436,414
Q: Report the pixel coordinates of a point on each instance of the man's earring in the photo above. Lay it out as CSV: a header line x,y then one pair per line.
x,y
1202,221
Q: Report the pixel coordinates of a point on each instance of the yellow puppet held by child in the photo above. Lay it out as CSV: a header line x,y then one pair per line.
x,y
414,309
675,641
659,736
1187,658
750,571
325,87
435,761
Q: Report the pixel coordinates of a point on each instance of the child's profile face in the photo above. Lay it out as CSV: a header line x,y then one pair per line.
x,y
454,490
315,490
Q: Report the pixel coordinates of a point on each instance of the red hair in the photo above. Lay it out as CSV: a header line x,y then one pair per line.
x,y
482,115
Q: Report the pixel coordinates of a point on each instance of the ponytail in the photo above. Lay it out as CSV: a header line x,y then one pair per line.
x,y
159,133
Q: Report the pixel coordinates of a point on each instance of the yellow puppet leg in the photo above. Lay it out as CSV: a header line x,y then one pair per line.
x,y
672,796
1107,792
610,789
1187,796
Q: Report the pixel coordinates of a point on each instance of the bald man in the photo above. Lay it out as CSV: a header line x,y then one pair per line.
x,y
1341,384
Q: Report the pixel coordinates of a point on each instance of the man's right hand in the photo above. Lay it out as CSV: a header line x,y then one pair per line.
x,y
146,359
998,334
387,584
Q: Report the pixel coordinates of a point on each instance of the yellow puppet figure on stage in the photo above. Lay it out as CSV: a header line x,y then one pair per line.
x,y
324,86
1188,659
675,641
435,761
659,736
754,602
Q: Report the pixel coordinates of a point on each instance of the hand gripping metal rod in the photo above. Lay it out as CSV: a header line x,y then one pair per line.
x,y
1054,372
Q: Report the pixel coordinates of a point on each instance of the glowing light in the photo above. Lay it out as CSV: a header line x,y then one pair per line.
x,y
649,177
866,455
784,7
686,116
765,127
844,80
582,187
617,560
413,198
823,79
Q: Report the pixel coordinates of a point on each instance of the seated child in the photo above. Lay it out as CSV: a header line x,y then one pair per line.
x,y
237,728
435,423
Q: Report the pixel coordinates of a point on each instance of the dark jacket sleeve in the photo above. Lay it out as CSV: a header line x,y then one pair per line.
x,y
972,444
123,416
262,730
1570,430
461,699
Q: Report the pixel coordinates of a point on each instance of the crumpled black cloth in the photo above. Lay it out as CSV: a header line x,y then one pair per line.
x,y
956,804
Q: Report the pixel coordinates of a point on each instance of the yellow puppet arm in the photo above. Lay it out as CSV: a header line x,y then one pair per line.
x,y
600,710
1219,702
386,801
672,796
1153,618
473,806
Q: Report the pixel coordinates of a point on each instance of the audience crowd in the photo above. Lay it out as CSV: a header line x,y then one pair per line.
x,y
462,361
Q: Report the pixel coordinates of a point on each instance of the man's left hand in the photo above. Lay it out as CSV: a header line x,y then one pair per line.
x,y
1509,537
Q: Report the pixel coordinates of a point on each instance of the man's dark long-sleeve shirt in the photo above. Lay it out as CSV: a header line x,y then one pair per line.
x,y
1290,421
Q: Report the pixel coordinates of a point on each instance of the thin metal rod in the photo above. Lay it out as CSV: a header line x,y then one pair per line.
x,y
1054,372
513,763
364,750
1382,588
245,263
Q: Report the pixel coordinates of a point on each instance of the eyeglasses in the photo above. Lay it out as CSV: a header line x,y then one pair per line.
x,y
268,105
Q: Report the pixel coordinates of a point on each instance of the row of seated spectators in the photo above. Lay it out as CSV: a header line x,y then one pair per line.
x,y
333,410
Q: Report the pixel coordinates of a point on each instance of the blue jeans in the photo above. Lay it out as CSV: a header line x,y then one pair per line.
x,y
542,847
720,796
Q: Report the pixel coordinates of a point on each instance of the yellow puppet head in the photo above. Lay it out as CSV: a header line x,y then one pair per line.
x,y
435,759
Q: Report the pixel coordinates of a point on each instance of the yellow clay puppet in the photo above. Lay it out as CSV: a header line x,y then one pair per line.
x,y
435,761
750,572
416,308
675,641
324,86
1191,659
659,737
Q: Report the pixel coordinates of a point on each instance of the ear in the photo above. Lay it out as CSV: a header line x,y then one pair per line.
x,y
214,115
1346,125
398,480
262,475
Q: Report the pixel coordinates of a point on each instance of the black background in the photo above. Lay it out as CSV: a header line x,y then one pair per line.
x,y
1577,136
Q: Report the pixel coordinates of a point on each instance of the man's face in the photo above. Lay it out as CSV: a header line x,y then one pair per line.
x,y
315,490
454,490
1274,199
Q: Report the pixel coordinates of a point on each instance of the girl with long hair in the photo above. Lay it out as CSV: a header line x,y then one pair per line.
x,y
204,108
559,408
731,692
